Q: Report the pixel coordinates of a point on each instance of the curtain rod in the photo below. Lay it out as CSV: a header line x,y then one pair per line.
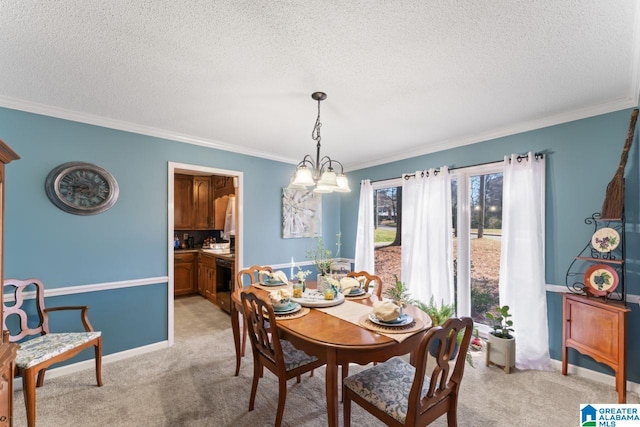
x,y
520,158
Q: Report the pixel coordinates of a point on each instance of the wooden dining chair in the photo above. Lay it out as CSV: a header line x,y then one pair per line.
x,y
245,278
400,395
37,354
371,280
278,356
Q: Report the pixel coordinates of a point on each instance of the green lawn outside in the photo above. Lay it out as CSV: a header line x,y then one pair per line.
x,y
383,235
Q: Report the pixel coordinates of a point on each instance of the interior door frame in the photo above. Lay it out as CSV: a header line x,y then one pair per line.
x,y
173,168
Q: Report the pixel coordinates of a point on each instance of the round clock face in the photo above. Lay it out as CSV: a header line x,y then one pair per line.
x,y
81,188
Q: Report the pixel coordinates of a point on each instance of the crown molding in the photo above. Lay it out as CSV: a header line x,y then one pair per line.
x,y
61,113
583,113
522,127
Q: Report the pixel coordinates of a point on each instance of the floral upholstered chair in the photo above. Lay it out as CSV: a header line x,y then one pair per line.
x,y
401,395
44,348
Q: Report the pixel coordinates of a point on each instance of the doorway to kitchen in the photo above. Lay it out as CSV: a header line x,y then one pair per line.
x,y
231,232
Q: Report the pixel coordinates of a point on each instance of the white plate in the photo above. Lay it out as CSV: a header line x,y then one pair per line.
x,y
403,320
272,283
357,293
291,308
313,298
605,239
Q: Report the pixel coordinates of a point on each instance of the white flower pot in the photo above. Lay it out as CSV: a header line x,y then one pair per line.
x,y
322,283
501,352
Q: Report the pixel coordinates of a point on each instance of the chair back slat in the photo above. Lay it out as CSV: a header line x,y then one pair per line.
x,y
444,379
263,330
17,288
252,274
377,288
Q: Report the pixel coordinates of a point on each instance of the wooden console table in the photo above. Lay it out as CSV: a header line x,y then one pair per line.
x,y
598,329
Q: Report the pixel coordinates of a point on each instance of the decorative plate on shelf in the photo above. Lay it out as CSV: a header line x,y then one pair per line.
x,y
601,279
605,239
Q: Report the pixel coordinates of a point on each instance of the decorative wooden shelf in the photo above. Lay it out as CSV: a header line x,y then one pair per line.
x,y
590,255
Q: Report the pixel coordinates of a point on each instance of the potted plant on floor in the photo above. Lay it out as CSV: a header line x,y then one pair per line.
x,y
501,347
439,314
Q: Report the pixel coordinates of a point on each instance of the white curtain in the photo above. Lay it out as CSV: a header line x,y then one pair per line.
x,y
230,218
522,278
427,241
365,259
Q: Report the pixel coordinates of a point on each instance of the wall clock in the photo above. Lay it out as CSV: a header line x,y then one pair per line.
x,y
81,188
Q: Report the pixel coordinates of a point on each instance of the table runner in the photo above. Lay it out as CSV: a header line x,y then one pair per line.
x,y
352,312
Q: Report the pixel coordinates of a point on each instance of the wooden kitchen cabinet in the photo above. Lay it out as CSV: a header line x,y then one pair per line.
x,y
193,202
597,328
183,202
202,202
184,273
207,277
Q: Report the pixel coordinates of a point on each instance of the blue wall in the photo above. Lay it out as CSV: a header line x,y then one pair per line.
x,y
581,158
129,241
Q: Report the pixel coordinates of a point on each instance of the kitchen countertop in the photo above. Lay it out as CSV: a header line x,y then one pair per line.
x,y
229,256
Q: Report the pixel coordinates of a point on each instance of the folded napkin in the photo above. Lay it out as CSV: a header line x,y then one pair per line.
x,y
347,284
386,310
280,295
280,275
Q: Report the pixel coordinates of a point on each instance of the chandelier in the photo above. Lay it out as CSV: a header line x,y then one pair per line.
x,y
319,171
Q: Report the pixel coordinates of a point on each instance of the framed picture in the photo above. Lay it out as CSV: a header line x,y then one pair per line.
x,y
301,213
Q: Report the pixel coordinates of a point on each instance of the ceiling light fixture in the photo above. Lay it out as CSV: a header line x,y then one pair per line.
x,y
319,172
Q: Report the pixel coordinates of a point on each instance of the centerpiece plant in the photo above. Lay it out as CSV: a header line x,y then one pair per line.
x,y
323,259
399,293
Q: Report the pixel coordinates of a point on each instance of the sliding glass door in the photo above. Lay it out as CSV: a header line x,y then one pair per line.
x,y
477,222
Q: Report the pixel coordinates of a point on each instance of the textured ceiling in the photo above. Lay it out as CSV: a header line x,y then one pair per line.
x,y
402,77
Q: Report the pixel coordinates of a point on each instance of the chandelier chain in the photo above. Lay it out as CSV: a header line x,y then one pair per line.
x,y
315,133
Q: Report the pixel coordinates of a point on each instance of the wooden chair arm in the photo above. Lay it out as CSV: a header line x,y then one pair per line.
x,y
83,315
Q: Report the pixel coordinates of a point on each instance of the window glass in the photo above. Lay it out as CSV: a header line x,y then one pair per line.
x,y
477,228
387,214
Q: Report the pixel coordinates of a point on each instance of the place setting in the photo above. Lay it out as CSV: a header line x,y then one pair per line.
x,y
283,307
389,318
271,280
352,288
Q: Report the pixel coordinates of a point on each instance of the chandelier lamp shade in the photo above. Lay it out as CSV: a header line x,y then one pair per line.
x,y
319,171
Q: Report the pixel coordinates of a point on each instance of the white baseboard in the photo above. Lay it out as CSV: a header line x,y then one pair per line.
x,y
90,364
594,375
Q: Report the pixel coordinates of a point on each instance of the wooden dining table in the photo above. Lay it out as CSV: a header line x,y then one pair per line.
x,y
341,341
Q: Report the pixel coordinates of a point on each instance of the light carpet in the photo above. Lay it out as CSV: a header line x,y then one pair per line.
x,y
192,384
